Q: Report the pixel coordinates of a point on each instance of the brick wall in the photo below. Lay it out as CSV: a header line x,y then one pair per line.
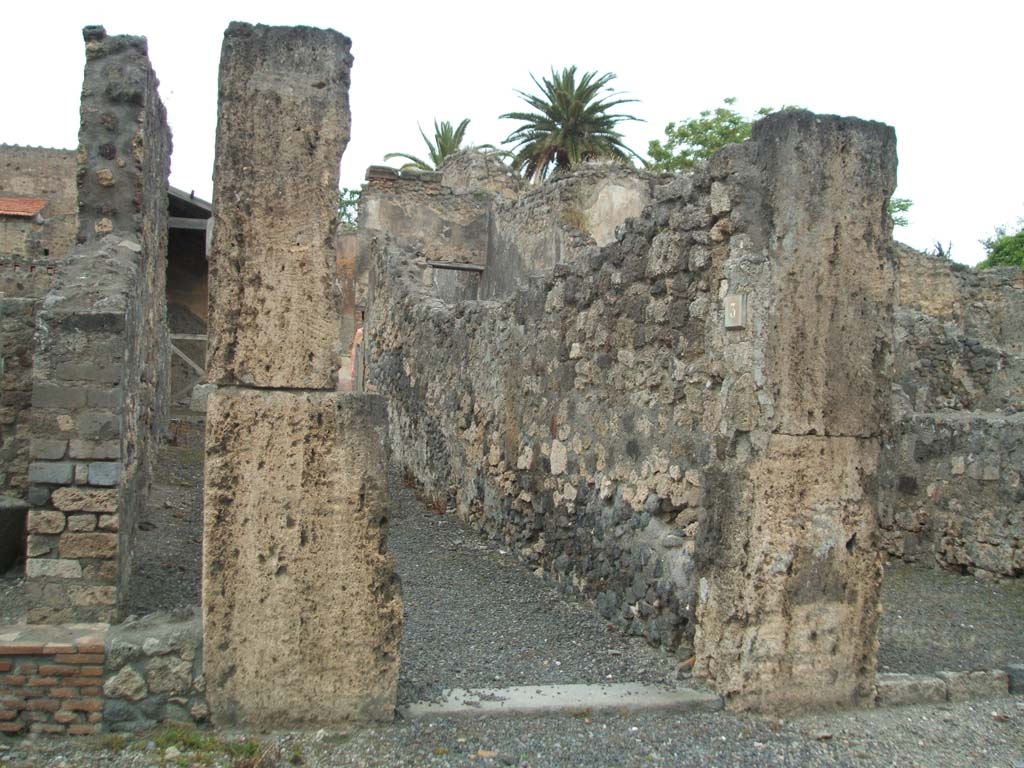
x,y
51,679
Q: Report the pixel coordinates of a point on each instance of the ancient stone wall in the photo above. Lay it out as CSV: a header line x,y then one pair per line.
x,y
99,395
153,672
301,610
31,251
475,170
684,424
17,326
548,224
953,479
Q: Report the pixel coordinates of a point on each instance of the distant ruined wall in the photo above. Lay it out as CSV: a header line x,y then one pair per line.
x,y
953,482
684,424
99,394
546,225
17,326
31,251
44,173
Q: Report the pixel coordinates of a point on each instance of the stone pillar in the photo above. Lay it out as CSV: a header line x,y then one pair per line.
x,y
301,608
788,604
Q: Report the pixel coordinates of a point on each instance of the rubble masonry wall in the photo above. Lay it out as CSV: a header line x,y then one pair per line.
x,y
604,423
31,251
953,481
99,395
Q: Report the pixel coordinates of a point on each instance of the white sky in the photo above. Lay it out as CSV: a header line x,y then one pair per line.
x,y
947,76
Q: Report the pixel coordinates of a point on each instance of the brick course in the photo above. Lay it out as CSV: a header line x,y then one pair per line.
x,y
50,679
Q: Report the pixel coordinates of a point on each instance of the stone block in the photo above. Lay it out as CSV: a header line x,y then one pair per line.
x,y
964,686
302,608
894,690
81,523
93,596
91,449
52,472
38,495
40,568
104,472
98,425
169,674
109,523
51,450
71,499
109,373
66,398
83,545
829,373
107,399
37,546
45,521
274,310
809,528
126,684
200,395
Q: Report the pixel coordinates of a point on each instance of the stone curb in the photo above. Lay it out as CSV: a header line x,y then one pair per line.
x,y
898,689
554,699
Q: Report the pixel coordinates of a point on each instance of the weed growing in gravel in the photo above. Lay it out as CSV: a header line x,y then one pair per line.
x,y
115,742
203,746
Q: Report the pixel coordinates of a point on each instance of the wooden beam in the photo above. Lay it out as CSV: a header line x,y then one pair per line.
x,y
191,364
180,222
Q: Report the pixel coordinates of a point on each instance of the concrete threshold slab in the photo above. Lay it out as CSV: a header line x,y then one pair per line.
x,y
554,699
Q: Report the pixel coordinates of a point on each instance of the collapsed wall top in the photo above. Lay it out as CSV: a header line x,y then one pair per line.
x,y
283,123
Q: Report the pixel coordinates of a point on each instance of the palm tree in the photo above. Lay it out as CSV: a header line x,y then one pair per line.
x,y
447,141
572,123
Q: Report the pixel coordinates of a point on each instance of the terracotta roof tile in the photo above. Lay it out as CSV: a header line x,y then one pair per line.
x,y
21,206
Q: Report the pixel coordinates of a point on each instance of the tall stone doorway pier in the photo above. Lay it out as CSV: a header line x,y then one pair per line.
x,y
301,611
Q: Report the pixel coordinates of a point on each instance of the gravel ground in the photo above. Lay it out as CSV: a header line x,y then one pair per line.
x,y
984,735
935,620
169,543
475,617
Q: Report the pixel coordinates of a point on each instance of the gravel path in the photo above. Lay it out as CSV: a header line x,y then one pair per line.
x,y
982,735
935,620
167,567
475,617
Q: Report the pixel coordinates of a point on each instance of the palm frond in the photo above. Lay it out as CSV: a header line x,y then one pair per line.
x,y
571,123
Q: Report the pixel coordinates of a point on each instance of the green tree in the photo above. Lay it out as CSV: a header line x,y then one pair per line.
x,y
1004,249
348,208
898,207
571,123
447,141
698,138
